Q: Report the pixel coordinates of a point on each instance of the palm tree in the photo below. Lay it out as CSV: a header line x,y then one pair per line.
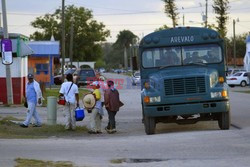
x,y
171,11
124,39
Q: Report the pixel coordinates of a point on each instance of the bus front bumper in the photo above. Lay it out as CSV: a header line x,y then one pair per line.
x,y
186,109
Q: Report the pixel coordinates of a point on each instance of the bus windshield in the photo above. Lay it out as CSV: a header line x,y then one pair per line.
x,y
181,55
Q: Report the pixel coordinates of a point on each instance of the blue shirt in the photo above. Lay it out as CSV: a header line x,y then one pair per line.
x,y
31,93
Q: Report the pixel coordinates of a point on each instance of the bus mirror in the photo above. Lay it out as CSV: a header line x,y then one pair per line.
x,y
134,63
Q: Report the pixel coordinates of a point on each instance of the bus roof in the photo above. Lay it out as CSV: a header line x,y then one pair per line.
x,y
180,36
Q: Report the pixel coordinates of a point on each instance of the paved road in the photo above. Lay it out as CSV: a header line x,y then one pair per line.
x,y
201,144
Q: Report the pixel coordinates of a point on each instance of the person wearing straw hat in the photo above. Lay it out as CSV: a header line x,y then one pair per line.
x,y
94,104
70,91
112,104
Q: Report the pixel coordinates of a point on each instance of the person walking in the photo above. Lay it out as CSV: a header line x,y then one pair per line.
x,y
33,96
97,111
71,94
112,104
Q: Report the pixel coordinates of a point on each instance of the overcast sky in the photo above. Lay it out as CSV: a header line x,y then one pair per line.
x,y
139,16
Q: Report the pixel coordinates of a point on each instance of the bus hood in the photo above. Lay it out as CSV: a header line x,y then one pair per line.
x,y
182,72
174,85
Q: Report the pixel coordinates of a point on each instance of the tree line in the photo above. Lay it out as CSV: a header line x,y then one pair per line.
x,y
90,36
221,10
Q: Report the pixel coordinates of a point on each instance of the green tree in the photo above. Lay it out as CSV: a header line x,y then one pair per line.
x,y
124,39
240,46
88,33
112,57
171,11
162,28
221,8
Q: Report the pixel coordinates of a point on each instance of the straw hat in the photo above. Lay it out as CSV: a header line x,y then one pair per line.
x,y
89,101
102,78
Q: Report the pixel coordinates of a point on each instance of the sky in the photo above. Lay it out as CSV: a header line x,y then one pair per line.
x,y
139,16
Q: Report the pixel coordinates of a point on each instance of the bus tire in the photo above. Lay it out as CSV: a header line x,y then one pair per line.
x,y
149,124
224,120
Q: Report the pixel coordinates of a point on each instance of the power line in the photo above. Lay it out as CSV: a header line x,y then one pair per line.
x,y
106,7
131,12
135,24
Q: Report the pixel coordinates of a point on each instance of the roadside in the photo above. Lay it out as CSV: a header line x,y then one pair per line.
x,y
240,89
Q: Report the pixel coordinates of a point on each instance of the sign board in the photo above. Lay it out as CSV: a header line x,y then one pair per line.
x,y
6,46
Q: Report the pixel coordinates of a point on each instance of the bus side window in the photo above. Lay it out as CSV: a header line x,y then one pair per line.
x,y
148,60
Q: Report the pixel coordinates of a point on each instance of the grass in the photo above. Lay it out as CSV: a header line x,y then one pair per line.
x,y
55,92
117,161
10,130
246,91
22,162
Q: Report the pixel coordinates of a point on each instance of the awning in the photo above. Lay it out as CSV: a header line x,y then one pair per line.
x,y
25,49
20,48
45,48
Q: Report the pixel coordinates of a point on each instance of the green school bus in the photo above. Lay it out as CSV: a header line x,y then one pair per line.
x,y
183,77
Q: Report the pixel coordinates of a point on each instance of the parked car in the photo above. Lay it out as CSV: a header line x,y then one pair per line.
x,y
239,78
102,70
84,76
58,78
118,71
233,71
136,78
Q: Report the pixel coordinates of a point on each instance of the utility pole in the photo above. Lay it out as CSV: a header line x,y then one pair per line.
x,y
183,20
234,43
71,41
125,58
206,16
63,40
0,20
7,67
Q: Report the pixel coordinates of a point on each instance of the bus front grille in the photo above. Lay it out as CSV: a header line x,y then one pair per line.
x,y
179,86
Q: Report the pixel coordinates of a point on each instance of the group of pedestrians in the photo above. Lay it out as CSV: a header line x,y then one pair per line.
x,y
107,97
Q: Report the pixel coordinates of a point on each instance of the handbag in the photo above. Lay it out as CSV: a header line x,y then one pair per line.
x,y
25,104
79,114
62,100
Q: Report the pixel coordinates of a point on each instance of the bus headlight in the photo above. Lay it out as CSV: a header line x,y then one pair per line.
x,y
219,94
155,99
213,79
215,94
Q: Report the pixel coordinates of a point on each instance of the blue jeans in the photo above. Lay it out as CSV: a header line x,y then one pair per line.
x,y
32,113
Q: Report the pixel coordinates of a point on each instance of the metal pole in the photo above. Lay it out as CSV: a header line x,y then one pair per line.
x,y
63,40
183,20
7,67
125,58
0,19
71,42
234,44
206,15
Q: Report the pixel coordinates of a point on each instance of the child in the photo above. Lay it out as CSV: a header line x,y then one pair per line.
x,y
97,112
